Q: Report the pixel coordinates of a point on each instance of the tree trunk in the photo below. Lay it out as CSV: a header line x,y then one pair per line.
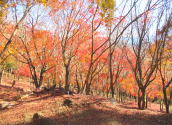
x,y
112,90
77,83
161,105
110,69
111,76
141,98
67,77
35,81
146,99
87,83
82,89
107,94
34,76
121,97
41,78
1,74
78,88
166,100
87,89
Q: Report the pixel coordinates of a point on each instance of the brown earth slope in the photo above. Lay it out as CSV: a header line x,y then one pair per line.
x,y
85,110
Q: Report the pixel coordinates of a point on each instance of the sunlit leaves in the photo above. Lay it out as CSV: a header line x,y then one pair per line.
x,y
44,2
107,7
3,7
3,3
106,4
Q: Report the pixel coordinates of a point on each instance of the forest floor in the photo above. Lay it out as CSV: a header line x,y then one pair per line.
x,y
85,110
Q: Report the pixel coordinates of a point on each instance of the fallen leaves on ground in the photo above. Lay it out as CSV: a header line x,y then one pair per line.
x,y
85,110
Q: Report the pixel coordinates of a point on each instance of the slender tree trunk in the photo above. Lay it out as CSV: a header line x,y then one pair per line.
x,y
110,67
77,83
34,75
60,84
107,94
121,97
112,91
161,105
82,89
41,80
1,74
87,84
146,101
41,77
166,100
87,89
67,77
111,74
139,99
35,81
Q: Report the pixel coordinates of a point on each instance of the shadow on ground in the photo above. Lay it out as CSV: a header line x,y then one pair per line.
x,y
93,116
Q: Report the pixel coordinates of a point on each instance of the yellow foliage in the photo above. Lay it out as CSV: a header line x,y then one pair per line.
x,y
44,2
106,4
107,7
3,11
1,2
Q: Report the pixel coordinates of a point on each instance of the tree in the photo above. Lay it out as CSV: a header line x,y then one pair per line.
x,y
95,11
164,64
7,6
16,20
144,67
37,49
70,23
